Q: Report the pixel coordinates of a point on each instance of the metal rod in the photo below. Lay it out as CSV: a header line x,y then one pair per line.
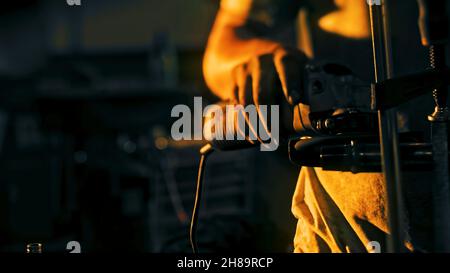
x,y
439,139
388,127
441,190
433,25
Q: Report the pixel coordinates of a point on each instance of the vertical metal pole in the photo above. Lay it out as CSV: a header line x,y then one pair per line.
x,y
388,127
441,189
433,24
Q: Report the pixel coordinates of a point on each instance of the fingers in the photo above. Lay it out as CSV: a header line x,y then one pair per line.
x,y
255,86
243,87
289,65
263,77
243,84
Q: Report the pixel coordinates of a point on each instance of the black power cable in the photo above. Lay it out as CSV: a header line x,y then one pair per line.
x,y
204,152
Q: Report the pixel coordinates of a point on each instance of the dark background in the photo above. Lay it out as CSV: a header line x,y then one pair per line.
x,y
85,150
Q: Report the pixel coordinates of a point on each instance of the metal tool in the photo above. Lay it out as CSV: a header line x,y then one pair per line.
x,y
388,125
433,24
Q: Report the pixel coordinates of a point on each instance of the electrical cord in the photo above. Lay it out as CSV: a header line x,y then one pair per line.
x,y
204,152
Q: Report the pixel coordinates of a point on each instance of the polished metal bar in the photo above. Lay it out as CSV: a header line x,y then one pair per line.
x,y
388,127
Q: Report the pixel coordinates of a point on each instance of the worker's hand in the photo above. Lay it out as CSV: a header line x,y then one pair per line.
x,y
270,79
259,80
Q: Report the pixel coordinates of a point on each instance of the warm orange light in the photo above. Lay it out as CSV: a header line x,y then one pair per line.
x,y
350,21
236,7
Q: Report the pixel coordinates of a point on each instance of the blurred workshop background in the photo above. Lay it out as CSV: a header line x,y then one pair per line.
x,y
85,151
